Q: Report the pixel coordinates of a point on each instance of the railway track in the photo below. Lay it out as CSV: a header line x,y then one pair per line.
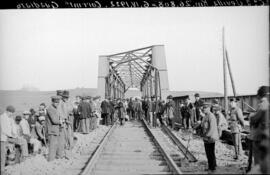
x,y
137,149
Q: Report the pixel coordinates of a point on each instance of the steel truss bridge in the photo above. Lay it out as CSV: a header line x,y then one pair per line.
x,y
143,68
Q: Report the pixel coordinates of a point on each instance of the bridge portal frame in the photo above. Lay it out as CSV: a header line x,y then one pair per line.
x,y
143,68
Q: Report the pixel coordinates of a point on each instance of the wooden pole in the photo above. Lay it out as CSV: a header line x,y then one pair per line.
x,y
224,76
230,72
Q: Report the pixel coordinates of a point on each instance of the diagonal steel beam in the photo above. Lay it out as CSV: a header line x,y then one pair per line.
x,y
139,65
130,51
144,61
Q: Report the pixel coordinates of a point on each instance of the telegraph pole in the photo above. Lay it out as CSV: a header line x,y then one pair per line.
x,y
224,75
230,72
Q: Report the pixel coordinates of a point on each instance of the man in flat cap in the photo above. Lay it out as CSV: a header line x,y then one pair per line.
x,y
55,130
236,120
210,135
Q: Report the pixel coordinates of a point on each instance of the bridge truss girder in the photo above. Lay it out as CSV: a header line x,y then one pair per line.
x,y
143,68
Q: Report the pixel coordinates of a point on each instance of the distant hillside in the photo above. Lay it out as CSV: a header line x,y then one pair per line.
x,y
24,100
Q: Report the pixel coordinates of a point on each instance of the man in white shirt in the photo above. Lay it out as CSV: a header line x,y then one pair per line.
x,y
5,132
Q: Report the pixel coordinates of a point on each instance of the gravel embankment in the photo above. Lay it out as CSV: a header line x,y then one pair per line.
x,y
224,156
38,165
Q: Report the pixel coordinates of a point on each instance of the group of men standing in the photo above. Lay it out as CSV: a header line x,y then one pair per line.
x,y
87,113
213,122
59,122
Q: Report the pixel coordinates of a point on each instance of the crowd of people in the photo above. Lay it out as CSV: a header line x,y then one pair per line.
x,y
50,129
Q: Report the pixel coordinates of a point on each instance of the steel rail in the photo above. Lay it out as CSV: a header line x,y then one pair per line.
x,y
170,162
92,161
182,148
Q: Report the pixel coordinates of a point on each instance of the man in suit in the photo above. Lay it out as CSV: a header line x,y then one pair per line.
x,y
198,104
55,130
105,111
84,110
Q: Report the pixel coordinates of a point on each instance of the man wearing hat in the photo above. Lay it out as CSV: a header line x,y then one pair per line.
x,y
188,114
198,104
67,110
235,120
105,111
55,130
84,110
210,135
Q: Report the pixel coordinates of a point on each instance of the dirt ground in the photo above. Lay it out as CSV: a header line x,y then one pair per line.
x,y
224,156
38,165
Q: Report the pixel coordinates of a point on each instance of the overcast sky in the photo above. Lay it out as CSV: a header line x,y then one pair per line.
x,y
58,49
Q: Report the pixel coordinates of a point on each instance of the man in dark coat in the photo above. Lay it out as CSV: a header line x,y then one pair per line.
x,y
144,107
131,109
113,104
105,111
259,130
188,114
55,130
198,104
120,111
84,111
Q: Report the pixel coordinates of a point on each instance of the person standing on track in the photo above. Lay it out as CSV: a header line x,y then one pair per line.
x,y
131,109
236,118
105,111
210,135
151,110
170,107
138,108
112,116
120,111
55,130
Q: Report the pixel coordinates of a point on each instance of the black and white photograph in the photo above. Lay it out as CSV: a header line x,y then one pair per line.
x,y
134,91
